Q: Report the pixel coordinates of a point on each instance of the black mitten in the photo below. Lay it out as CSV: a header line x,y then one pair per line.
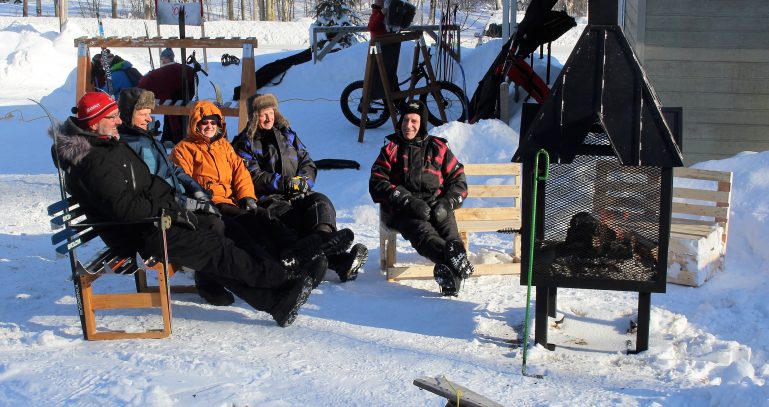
x,y
248,204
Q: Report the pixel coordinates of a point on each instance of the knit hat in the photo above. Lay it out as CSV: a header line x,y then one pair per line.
x,y
94,106
167,53
415,107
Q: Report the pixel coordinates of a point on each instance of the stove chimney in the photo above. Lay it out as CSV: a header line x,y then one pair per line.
x,y
602,12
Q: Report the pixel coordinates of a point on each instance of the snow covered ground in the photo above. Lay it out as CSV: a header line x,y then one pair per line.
x,y
363,342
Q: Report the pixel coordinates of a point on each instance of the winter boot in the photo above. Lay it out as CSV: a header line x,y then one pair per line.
x,y
213,292
316,245
285,311
456,258
448,279
347,265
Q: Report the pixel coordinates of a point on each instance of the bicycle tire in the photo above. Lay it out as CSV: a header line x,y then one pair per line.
x,y
454,104
350,101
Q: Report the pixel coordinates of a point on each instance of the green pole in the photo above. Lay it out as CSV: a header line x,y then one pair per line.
x,y
537,178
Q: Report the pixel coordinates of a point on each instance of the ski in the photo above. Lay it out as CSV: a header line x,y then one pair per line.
x,y
218,93
62,188
152,62
105,58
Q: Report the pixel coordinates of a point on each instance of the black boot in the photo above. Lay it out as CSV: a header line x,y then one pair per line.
x,y
213,292
297,292
456,258
448,279
316,245
347,265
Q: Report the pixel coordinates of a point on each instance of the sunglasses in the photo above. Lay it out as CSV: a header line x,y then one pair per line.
x,y
209,122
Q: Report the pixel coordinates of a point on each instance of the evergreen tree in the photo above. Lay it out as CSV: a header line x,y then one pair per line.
x,y
338,13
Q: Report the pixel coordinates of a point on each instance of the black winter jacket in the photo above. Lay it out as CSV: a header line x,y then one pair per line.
x,y
425,166
111,183
273,154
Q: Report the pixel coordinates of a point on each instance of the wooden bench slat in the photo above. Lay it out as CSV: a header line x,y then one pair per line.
x,y
132,300
488,225
499,213
701,210
425,272
702,195
707,175
493,191
683,221
500,169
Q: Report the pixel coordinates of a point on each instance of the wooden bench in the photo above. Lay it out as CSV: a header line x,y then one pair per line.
x,y
699,225
456,395
237,109
469,219
77,232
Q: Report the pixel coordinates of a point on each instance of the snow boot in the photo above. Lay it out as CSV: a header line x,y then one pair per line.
x,y
456,258
347,265
287,308
213,292
448,279
317,245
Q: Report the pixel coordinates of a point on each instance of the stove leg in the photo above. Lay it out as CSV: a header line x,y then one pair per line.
x,y
540,316
644,317
552,301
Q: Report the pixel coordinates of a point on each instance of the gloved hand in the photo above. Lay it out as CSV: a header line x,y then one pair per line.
x,y
294,186
200,206
248,204
418,208
201,196
185,218
441,209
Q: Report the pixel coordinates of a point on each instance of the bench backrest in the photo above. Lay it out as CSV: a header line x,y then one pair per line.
x,y
705,204
504,190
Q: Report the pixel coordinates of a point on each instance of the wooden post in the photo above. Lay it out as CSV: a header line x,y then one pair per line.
x,y
370,61
248,84
83,81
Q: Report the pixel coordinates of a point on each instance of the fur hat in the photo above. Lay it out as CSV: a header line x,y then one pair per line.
x,y
146,100
258,103
93,107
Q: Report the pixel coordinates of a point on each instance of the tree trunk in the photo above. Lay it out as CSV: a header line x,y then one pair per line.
x,y
431,16
25,8
230,10
270,10
114,8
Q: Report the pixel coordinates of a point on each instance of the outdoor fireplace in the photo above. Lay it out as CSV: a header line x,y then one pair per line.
x,y
603,213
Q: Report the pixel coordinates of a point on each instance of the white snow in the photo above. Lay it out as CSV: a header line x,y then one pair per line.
x,y
363,342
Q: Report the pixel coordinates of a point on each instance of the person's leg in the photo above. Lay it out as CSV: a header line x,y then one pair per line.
x,y
208,288
423,237
454,251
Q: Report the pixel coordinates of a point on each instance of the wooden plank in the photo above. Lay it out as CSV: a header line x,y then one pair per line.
x,y
493,191
701,195
110,335
700,210
425,272
184,110
143,42
500,214
708,175
119,301
683,221
493,169
487,225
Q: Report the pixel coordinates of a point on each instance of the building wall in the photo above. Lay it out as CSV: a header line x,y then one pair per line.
x,y
710,57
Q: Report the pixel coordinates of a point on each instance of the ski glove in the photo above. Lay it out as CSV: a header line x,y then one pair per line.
x,y
185,219
441,209
402,200
294,186
201,206
248,204
201,195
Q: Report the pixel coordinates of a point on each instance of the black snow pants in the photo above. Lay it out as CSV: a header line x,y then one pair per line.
x,y
427,237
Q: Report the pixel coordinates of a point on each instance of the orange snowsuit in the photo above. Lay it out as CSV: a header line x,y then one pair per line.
x,y
213,162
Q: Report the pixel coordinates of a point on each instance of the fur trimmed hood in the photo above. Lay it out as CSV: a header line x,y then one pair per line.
x,y
72,143
259,102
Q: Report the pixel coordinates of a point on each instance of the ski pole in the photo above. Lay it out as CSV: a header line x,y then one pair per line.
x,y
537,177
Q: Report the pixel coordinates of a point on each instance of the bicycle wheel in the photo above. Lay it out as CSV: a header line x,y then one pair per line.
x,y
454,104
351,99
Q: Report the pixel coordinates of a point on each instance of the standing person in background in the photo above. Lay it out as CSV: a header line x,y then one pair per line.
x,y
283,175
166,83
419,182
376,22
123,74
135,106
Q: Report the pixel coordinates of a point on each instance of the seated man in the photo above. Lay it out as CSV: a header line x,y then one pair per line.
x,y
135,107
283,176
112,184
418,182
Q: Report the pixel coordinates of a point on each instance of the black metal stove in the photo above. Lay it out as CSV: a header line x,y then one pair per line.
x,y
603,214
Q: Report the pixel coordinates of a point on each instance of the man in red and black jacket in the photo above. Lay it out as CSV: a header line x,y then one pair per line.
x,y
419,182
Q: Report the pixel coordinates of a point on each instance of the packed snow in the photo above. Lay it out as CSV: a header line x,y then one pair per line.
x,y
362,342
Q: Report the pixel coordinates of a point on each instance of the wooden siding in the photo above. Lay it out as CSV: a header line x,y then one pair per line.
x,y
710,57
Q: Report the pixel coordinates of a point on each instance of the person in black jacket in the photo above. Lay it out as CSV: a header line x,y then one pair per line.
x,y
112,184
419,182
284,176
